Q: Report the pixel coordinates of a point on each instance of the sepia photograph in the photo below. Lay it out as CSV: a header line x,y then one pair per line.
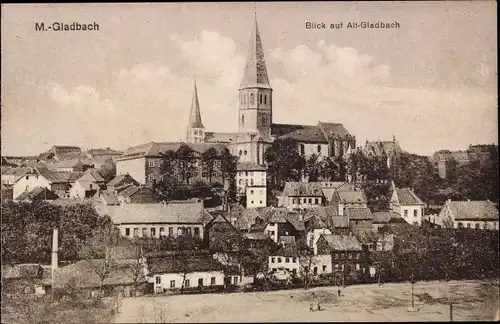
x,y
210,162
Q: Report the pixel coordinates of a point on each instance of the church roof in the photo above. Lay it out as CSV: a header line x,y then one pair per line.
x,y
195,115
153,149
307,134
255,73
215,137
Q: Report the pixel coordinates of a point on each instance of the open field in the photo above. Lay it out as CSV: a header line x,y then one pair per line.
x,y
473,301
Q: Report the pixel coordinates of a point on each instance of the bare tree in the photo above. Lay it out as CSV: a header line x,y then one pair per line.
x,y
307,260
99,251
136,264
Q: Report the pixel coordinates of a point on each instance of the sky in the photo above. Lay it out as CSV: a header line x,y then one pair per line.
x,y
432,82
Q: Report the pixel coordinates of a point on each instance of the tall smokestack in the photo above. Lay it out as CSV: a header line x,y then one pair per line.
x,y
55,248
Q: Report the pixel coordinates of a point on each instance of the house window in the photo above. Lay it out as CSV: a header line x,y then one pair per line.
x,y
158,280
315,271
196,231
136,232
251,182
319,148
302,149
179,231
251,202
245,152
240,181
460,225
151,177
144,232
477,226
251,191
170,231
279,260
265,99
273,260
261,202
162,231
151,163
212,280
240,152
172,283
235,280
264,121
324,267
294,260
260,98
415,212
153,231
468,225
127,232
405,212
186,283
310,200
287,260
485,225
316,201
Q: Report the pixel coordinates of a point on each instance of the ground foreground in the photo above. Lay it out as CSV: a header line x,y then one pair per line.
x,y
472,301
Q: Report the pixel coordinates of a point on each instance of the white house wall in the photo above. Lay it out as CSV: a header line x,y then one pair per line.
x,y
28,183
136,168
256,197
166,278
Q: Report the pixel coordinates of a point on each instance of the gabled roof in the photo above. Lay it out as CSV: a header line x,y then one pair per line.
x,y
41,193
341,242
385,217
366,236
155,149
195,114
132,190
247,218
59,177
278,130
294,219
380,148
302,189
329,216
215,137
473,210
186,212
108,198
255,72
314,222
176,264
406,196
358,213
16,172
94,174
249,166
350,196
308,134
288,247
333,129
106,151
122,179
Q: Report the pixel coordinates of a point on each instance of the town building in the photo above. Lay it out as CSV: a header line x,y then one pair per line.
x,y
468,214
390,150
302,195
38,193
11,175
86,186
345,251
58,182
121,181
360,217
406,203
381,219
157,220
344,199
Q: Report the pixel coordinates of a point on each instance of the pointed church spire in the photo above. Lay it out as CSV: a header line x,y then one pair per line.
x,y
195,116
255,74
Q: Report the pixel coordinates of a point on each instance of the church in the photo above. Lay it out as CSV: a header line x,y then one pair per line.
x,y
257,129
256,132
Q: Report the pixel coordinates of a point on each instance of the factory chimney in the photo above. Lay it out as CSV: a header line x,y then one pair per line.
x,y
55,249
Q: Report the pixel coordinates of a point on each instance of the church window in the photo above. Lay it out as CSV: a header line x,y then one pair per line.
x,y
240,152
242,120
265,99
252,99
264,120
245,152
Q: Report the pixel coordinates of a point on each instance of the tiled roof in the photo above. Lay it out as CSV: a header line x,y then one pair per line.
x,y
95,175
328,215
350,196
379,148
74,201
212,137
407,197
473,210
132,190
59,177
278,216
121,179
278,130
294,219
256,236
341,242
154,149
308,134
358,213
246,219
385,217
249,166
366,236
188,212
106,151
314,222
17,172
302,189
109,198
171,264
38,193
288,247
332,129
70,163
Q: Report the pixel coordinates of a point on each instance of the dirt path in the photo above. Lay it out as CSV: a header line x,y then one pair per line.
x,y
386,303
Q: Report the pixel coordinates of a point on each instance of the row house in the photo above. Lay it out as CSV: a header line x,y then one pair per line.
x,y
406,203
344,199
302,195
144,162
468,214
158,220
346,253
58,182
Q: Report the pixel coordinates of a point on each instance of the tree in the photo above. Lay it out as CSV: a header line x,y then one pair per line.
x,y
166,188
99,251
136,262
285,162
307,260
312,168
228,169
209,160
185,157
108,170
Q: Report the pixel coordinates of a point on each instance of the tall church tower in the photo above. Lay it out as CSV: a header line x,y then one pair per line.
x,y
255,108
195,128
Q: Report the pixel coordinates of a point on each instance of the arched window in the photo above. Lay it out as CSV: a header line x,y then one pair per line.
x,y
245,152
265,99
240,152
242,120
252,99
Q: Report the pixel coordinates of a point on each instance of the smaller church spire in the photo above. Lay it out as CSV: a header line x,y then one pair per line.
x,y
195,115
